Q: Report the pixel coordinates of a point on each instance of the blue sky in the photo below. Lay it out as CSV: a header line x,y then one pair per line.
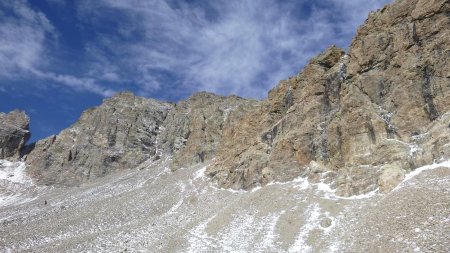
x,y
60,57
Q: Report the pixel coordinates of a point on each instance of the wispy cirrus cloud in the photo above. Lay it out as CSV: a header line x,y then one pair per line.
x,y
26,39
23,33
171,48
237,46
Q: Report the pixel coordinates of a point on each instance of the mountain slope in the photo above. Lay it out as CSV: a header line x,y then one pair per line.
x,y
351,155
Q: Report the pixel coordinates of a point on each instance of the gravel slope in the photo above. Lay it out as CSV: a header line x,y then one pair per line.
x,y
151,209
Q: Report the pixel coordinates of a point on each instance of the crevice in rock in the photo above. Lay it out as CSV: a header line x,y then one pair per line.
x,y
326,97
415,37
288,99
427,95
371,131
339,140
125,140
112,135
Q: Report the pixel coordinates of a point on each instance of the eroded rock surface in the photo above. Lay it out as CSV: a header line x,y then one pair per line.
x,y
14,133
127,130
119,134
193,129
380,104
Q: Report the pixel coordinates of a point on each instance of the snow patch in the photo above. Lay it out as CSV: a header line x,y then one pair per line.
x,y
330,193
257,188
199,241
14,183
301,183
14,172
200,174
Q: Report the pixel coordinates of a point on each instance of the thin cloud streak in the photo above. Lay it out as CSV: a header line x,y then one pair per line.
x,y
246,48
170,48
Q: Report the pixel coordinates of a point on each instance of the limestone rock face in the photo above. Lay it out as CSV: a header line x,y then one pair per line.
x,y
193,128
119,134
127,130
383,103
14,133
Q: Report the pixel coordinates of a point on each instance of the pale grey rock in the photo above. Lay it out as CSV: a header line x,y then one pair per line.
x,y
119,134
193,128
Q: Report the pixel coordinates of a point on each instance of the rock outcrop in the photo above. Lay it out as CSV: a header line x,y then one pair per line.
x,y
127,130
119,134
14,133
353,113
193,128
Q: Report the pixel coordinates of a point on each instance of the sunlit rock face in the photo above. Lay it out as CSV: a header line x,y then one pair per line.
x,y
385,102
119,134
126,131
14,133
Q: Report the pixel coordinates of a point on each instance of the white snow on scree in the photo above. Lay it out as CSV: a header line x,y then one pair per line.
x,y
13,183
155,210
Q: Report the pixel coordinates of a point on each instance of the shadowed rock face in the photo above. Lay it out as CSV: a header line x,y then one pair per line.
x,y
347,119
13,133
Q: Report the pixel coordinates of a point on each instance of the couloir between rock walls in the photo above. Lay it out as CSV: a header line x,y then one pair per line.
x,y
358,120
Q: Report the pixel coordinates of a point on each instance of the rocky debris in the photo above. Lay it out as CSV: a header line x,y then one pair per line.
x,y
193,128
14,133
119,134
180,211
354,113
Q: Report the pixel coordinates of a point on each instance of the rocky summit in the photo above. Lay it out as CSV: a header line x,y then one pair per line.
x,y
358,139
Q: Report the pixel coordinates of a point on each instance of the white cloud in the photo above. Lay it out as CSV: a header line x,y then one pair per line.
x,y
25,35
236,46
76,83
243,47
22,37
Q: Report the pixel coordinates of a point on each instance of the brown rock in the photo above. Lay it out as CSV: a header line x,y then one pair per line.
x,y
391,176
353,113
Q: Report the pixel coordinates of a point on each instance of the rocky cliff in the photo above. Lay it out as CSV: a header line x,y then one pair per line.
x,y
126,131
358,120
193,128
120,134
14,133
